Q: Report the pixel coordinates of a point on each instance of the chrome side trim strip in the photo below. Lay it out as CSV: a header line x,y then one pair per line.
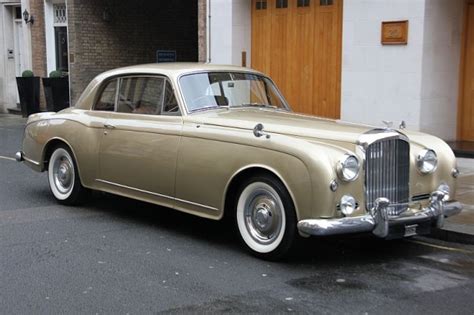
x,y
135,189
157,194
196,204
31,161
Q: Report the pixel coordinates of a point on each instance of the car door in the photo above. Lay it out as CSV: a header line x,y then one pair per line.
x,y
139,147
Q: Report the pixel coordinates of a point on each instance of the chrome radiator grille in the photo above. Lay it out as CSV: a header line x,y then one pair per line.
x,y
387,171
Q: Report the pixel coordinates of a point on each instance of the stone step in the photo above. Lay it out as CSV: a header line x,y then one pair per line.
x,y
14,110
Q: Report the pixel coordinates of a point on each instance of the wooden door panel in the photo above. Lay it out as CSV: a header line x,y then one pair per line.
x,y
300,48
467,103
261,25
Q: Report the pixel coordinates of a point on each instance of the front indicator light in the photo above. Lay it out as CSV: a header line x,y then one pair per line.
x,y
444,188
348,205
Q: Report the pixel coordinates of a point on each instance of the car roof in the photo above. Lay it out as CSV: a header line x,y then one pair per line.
x,y
172,69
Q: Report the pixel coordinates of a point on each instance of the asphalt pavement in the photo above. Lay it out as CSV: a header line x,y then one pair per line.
x,y
115,255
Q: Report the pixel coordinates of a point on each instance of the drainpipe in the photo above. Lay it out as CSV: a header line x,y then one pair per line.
x,y
208,31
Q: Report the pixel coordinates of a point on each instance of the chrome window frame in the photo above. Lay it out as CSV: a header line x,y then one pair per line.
x,y
188,112
119,77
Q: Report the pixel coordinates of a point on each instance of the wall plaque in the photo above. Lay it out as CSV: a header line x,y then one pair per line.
x,y
395,32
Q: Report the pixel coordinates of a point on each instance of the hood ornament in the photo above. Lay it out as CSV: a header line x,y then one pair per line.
x,y
388,124
403,125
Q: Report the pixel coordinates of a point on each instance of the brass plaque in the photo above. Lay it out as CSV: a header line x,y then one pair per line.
x,y
395,33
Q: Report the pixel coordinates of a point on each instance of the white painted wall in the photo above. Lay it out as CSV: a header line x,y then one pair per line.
x,y
230,31
440,67
418,82
381,82
49,36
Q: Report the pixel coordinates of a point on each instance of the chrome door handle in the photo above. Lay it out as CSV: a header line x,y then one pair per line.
x,y
109,126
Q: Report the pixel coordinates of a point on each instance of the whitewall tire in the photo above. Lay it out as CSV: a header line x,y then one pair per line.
x,y
63,177
265,217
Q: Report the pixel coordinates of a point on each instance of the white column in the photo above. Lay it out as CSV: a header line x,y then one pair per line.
x,y
441,61
49,34
230,31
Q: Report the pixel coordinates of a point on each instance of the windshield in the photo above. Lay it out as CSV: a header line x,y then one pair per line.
x,y
203,91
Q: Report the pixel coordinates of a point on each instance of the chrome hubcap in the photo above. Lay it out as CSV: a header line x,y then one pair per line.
x,y
263,213
63,174
263,217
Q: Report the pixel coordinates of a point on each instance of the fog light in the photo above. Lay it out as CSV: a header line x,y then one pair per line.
x,y
348,205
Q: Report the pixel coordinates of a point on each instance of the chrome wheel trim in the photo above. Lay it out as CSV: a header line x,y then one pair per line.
x,y
61,174
261,217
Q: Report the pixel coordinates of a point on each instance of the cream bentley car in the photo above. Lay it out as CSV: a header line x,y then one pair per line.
x,y
218,141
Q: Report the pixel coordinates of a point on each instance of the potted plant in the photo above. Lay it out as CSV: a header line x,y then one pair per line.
x,y
28,90
56,91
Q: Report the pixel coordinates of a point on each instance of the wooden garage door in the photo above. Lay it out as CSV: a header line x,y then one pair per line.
x,y
466,115
298,43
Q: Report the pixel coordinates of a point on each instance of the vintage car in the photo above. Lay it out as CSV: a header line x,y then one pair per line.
x,y
221,140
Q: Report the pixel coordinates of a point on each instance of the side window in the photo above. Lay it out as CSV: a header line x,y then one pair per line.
x,y
170,104
106,101
140,95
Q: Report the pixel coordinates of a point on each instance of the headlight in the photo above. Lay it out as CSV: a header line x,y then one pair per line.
x,y
348,168
427,161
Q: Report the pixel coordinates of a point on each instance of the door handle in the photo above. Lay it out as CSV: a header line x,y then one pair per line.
x,y
109,126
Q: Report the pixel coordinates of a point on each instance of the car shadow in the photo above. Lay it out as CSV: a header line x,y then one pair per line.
x,y
337,250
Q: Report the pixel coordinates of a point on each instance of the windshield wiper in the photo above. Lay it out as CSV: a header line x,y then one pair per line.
x,y
208,107
259,105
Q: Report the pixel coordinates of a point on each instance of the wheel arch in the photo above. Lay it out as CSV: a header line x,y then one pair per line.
x,y
246,172
48,151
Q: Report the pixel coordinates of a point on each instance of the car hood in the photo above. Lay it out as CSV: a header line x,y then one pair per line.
x,y
286,123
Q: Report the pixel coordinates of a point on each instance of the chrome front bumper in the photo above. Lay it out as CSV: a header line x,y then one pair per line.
x,y
378,221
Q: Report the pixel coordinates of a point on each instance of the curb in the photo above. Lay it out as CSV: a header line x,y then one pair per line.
x,y
451,236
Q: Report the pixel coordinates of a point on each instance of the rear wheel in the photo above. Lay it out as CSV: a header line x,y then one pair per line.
x,y
265,217
63,177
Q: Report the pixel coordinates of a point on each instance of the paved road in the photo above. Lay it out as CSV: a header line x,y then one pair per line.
x,y
121,256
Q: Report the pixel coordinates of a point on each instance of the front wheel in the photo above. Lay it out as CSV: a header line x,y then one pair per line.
x,y
64,179
266,217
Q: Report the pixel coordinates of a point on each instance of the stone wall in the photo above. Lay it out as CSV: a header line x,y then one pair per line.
x,y
108,34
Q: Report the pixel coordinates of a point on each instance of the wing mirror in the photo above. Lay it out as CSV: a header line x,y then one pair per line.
x,y
258,131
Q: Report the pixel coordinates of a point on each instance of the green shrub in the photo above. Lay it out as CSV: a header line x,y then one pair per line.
x,y
27,74
55,74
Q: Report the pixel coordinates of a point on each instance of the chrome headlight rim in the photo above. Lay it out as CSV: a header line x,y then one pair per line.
x,y
421,160
342,164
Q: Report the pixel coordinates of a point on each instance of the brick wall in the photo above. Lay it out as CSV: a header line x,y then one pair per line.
x,y
38,43
109,34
